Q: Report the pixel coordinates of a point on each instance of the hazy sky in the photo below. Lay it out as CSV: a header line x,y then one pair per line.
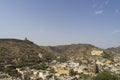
x,y
55,22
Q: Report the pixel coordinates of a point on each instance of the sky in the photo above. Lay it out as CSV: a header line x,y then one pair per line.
x,y
61,22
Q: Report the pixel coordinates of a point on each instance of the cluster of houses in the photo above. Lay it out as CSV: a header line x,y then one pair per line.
x,y
72,70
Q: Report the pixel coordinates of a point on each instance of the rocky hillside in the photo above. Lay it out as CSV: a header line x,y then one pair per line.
x,y
14,51
20,52
73,50
114,50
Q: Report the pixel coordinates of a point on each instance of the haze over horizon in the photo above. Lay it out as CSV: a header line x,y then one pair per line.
x,y
58,22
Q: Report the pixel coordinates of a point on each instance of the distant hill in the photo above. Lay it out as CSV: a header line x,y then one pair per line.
x,y
114,50
73,50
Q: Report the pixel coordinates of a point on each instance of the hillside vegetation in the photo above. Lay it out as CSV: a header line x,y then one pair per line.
x,y
73,50
20,52
24,52
16,53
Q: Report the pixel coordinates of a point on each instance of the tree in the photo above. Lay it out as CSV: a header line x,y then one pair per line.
x,y
72,72
85,76
41,66
105,75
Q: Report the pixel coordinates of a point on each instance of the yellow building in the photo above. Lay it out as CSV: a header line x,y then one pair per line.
x,y
62,71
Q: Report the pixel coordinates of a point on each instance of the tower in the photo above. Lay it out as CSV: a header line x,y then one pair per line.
x,y
26,39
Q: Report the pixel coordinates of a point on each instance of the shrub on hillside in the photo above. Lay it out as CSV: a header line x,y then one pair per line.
x,y
41,66
105,75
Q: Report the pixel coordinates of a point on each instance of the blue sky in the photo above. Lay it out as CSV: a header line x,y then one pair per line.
x,y
58,22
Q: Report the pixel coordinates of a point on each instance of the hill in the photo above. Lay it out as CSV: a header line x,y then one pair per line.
x,y
73,50
16,53
24,52
20,52
114,50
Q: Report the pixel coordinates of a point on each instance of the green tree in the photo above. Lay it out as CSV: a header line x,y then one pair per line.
x,y
6,70
72,73
41,66
62,59
85,76
105,75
